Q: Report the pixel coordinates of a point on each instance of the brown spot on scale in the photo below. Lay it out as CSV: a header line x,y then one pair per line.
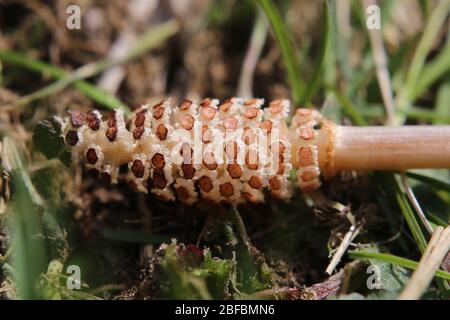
x,y
226,189
249,136
158,112
72,137
226,105
93,120
252,159
186,152
267,126
158,161
76,118
278,147
232,149
187,121
250,102
137,133
276,106
138,168
205,102
251,113
275,183
111,133
307,133
255,182
209,161
185,104
249,196
230,123
205,184
206,134
140,118
160,104
182,193
188,170
159,179
305,156
91,156
161,132
234,170
208,113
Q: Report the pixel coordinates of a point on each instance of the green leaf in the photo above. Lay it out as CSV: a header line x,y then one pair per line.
x,y
217,273
192,273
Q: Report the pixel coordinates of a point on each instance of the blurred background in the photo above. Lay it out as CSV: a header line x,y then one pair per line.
x,y
79,55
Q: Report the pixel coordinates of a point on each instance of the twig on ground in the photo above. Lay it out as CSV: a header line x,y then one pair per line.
x,y
348,238
437,249
416,204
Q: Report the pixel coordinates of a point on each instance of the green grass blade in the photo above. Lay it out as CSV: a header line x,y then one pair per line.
x,y
415,112
149,40
411,221
442,110
439,184
341,44
28,248
434,24
431,31
312,84
350,109
432,71
403,262
94,93
389,181
286,47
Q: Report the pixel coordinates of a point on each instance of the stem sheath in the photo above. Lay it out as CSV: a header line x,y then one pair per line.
x,y
387,148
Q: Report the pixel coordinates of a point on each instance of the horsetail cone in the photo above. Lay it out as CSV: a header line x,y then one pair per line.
x,y
235,150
